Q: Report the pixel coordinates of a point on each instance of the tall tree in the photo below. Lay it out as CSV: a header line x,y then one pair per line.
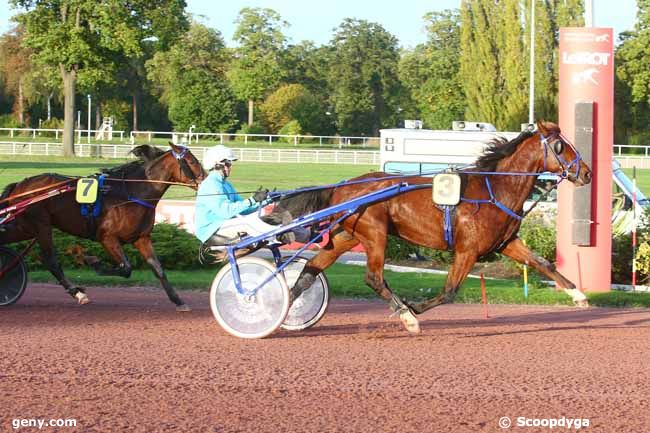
x,y
87,37
191,81
430,72
493,69
550,15
363,77
15,65
633,80
479,67
256,70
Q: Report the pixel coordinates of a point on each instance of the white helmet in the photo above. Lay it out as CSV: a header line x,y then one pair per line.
x,y
217,154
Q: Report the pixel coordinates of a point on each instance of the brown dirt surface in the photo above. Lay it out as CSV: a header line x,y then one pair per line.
x,y
129,363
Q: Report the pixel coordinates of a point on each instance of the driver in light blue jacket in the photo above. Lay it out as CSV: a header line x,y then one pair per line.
x,y
221,214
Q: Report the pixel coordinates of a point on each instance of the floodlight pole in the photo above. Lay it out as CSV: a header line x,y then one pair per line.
x,y
89,111
531,88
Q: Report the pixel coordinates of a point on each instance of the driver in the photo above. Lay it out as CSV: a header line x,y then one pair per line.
x,y
221,214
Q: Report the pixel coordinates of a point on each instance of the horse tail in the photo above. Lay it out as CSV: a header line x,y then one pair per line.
x,y
299,204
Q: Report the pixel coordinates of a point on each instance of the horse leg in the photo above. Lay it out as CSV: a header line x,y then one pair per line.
x,y
463,263
516,250
114,249
145,247
339,243
48,257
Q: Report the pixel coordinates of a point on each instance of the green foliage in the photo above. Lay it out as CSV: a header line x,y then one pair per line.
x,y
365,89
190,79
119,111
9,121
539,234
492,68
430,73
174,247
256,70
293,102
202,101
255,128
291,128
53,123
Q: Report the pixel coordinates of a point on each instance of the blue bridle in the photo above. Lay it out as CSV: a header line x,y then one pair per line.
x,y
566,165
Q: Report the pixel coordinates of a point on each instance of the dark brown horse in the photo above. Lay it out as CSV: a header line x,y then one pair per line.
x,y
479,227
127,213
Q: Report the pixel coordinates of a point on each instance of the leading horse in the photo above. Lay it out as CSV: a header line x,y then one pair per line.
x,y
126,215
486,220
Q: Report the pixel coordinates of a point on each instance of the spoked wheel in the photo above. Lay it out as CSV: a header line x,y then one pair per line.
x,y
311,305
250,316
13,276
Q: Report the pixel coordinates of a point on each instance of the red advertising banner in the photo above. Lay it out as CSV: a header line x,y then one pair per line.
x,y
586,63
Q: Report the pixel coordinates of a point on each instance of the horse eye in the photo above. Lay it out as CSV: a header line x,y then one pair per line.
x,y
558,146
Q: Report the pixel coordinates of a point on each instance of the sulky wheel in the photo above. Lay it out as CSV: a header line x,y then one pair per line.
x,y
311,305
13,276
252,315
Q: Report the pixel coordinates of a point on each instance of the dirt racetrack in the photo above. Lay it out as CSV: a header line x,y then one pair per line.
x,y
129,363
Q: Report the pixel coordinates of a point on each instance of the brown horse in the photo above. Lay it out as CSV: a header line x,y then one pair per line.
x,y
127,213
486,220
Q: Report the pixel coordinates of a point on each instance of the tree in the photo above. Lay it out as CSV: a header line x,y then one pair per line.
x,y
190,79
256,70
363,77
430,73
15,65
86,39
294,102
549,17
494,73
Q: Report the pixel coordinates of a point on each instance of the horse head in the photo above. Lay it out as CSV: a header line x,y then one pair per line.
x,y
176,165
560,156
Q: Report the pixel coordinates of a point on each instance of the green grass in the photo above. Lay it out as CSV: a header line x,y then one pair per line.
x,y
246,176
347,281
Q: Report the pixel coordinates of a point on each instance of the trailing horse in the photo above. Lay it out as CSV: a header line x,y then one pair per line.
x,y
130,194
487,218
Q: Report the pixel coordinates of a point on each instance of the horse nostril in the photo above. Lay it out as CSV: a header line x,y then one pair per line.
x,y
588,177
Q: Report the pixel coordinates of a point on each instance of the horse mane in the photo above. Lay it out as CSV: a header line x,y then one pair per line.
x,y
299,204
145,154
498,149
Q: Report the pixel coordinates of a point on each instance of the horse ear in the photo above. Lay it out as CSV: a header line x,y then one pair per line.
x,y
541,127
174,147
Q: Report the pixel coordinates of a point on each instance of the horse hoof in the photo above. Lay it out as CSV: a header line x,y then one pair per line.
x,y
582,303
183,308
82,298
410,322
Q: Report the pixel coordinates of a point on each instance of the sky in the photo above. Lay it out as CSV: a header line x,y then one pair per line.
x,y
315,21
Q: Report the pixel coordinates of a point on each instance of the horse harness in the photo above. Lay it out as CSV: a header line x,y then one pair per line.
x,y
91,211
556,143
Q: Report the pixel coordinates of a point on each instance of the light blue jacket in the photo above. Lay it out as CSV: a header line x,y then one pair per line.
x,y
216,202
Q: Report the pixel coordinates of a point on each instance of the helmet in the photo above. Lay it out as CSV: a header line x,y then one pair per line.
x,y
217,154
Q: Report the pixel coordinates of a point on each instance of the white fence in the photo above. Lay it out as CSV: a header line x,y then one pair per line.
x,y
316,156
37,132
224,137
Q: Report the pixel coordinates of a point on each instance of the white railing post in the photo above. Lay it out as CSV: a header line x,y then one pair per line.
x,y
270,140
11,132
221,138
246,139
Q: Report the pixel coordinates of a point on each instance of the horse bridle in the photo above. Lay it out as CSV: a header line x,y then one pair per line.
x,y
551,142
185,168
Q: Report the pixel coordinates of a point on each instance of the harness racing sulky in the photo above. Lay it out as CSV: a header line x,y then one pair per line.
x,y
471,211
114,208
